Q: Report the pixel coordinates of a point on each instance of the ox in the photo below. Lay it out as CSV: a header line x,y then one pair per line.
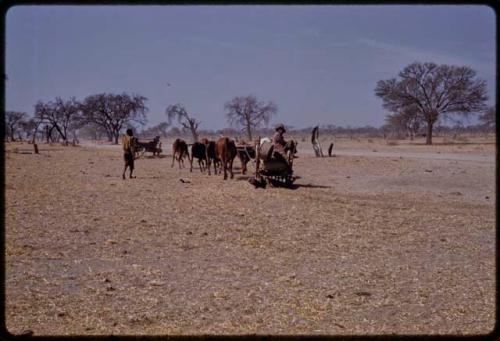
x,y
211,154
179,151
226,152
199,151
265,139
246,152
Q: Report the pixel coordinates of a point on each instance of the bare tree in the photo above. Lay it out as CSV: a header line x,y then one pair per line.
x,y
30,128
113,112
75,126
13,122
178,112
59,115
436,90
70,116
48,132
248,113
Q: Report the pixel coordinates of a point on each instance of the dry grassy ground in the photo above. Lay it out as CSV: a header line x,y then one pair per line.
x,y
363,245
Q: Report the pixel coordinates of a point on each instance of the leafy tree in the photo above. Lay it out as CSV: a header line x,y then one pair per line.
x,y
248,113
436,90
114,112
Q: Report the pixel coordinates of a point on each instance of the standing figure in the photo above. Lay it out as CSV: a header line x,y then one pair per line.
x,y
128,153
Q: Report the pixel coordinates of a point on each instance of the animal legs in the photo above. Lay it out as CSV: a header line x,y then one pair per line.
x,y
225,169
231,168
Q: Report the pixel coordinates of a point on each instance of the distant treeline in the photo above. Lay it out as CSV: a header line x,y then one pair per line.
x,y
385,131
420,101
18,126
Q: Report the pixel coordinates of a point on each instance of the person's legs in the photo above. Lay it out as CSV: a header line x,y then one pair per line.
x,y
125,167
131,165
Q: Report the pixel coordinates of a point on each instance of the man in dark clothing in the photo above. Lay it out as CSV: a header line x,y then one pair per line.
x,y
128,153
279,143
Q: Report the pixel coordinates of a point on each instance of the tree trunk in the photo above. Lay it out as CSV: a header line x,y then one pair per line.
x,y
110,135
116,137
48,134
315,142
194,133
428,137
12,133
61,134
249,132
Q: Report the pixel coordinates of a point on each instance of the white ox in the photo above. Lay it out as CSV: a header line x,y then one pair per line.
x,y
265,139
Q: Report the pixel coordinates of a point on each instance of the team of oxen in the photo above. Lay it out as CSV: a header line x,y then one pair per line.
x,y
220,154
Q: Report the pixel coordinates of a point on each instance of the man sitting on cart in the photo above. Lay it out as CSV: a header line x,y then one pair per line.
x,y
279,142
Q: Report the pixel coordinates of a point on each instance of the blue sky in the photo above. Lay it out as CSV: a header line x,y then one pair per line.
x,y
319,64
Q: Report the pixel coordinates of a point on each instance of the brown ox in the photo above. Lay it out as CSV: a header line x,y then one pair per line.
x,y
226,152
179,151
211,154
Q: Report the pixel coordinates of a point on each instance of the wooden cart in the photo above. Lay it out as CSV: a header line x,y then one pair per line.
x,y
140,147
271,167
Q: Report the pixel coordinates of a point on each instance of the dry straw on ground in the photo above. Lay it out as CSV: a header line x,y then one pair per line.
x,y
365,244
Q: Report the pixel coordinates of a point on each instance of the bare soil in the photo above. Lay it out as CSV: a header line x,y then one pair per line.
x,y
367,242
